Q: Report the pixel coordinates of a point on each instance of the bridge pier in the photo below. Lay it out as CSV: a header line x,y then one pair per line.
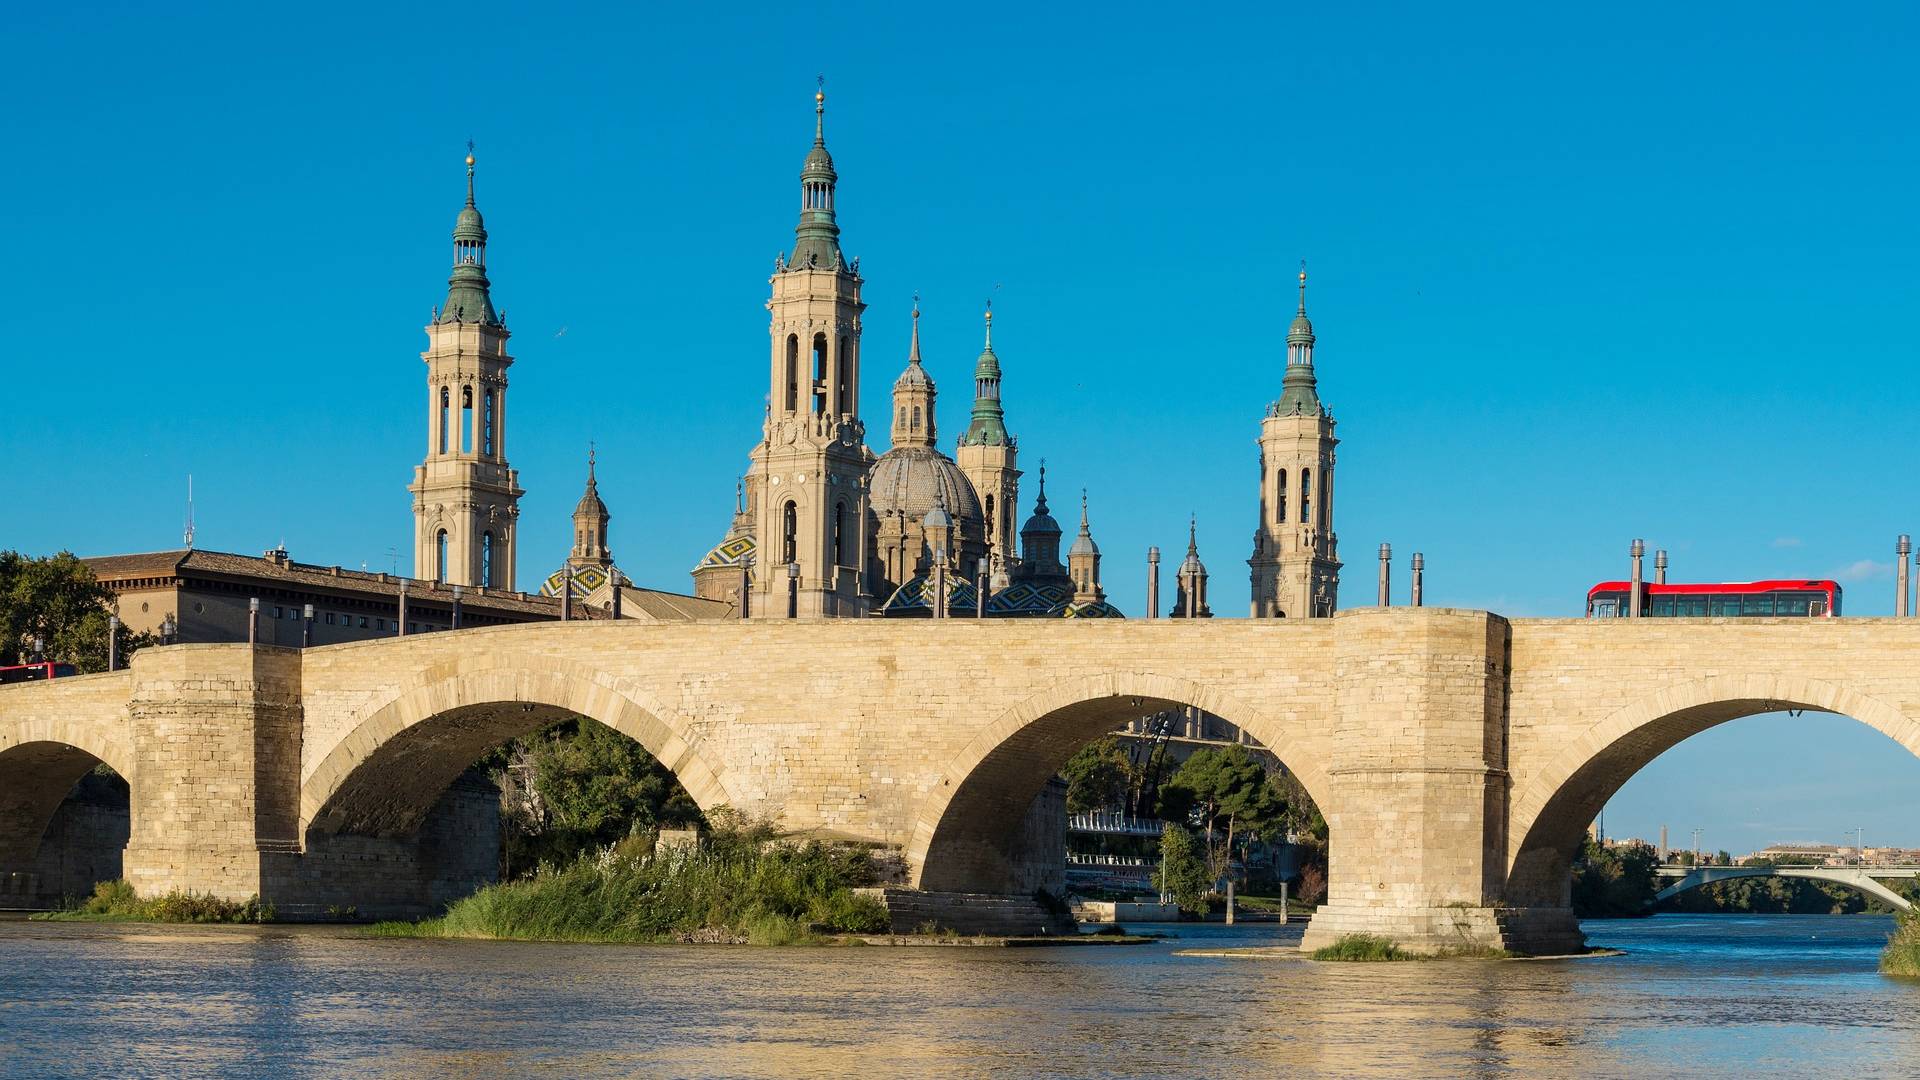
x,y
216,744
1417,821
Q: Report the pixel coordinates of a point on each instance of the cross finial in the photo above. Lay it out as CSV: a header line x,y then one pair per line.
x,y
989,322
1303,286
469,172
591,450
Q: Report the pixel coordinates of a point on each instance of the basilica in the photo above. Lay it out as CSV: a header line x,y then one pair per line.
x,y
823,526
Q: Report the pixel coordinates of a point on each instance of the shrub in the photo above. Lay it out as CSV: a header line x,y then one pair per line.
x,y
1363,947
1902,954
741,884
117,900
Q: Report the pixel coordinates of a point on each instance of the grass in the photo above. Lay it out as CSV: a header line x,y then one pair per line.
x,y
1362,947
115,901
741,886
1370,948
1902,954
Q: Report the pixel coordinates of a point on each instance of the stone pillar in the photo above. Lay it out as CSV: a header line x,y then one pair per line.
x,y
1417,815
216,744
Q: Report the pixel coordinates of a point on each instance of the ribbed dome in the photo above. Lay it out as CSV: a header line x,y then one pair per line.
x,y
915,377
469,225
1301,332
819,164
905,481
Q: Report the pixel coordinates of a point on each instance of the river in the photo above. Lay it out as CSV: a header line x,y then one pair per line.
x,y
1695,995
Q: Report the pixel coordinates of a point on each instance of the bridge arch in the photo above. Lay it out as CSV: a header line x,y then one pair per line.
x,y
1858,879
385,775
1549,814
41,759
964,825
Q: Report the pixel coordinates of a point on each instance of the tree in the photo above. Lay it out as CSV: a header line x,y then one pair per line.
x,y
1183,875
1225,788
577,786
1614,882
57,600
1098,777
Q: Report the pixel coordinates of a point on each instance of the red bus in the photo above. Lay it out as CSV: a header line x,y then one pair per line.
x,y
36,672
1799,598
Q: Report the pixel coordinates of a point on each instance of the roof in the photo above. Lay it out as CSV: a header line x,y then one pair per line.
x,y
1021,600
185,563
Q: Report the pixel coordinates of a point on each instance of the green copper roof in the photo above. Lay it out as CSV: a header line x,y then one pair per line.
x,y
817,237
989,426
1298,393
469,296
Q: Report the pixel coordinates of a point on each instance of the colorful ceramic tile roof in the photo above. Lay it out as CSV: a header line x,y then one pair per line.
x,y
736,548
585,581
1021,600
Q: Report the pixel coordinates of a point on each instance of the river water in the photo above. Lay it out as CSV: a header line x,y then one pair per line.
x,y
1694,995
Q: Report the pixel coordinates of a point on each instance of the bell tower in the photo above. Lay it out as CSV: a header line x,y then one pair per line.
x,y
988,456
466,498
807,490
1295,563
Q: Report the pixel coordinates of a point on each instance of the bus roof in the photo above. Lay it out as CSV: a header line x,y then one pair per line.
x,y
1730,587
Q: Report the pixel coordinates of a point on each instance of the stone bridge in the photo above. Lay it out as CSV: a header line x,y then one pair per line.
x,y
1864,878
1457,755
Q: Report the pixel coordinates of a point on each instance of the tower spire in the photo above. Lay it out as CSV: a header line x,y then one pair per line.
x,y
469,293
1040,501
913,354
469,172
1299,392
817,244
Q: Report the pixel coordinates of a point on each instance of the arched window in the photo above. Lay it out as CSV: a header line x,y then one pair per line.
x,y
446,409
793,372
486,560
466,419
790,548
916,418
1326,498
486,428
819,373
1280,498
1306,496
903,416
990,519
842,394
440,557
840,534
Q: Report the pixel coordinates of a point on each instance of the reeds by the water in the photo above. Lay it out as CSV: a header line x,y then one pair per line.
x,y
1902,954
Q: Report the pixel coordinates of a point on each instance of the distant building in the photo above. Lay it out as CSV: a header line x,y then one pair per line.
x,y
203,596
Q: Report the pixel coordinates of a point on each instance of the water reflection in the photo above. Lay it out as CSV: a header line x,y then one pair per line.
x,y
1699,995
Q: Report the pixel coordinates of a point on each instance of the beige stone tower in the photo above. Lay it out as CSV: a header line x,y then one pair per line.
x,y
466,498
807,490
988,455
1296,563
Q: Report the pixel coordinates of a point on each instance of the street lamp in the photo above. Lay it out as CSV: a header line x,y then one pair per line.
x,y
793,590
113,643
980,591
456,607
306,626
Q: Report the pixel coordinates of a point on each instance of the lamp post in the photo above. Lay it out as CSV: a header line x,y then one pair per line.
x,y
566,592
1639,553
793,590
940,583
980,591
400,624
746,586
169,629
456,607
1660,567
1386,571
253,620
306,626
113,643
1153,583
1419,578
1901,549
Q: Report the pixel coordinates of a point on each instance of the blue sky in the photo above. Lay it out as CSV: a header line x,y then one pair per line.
x,y
1579,276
